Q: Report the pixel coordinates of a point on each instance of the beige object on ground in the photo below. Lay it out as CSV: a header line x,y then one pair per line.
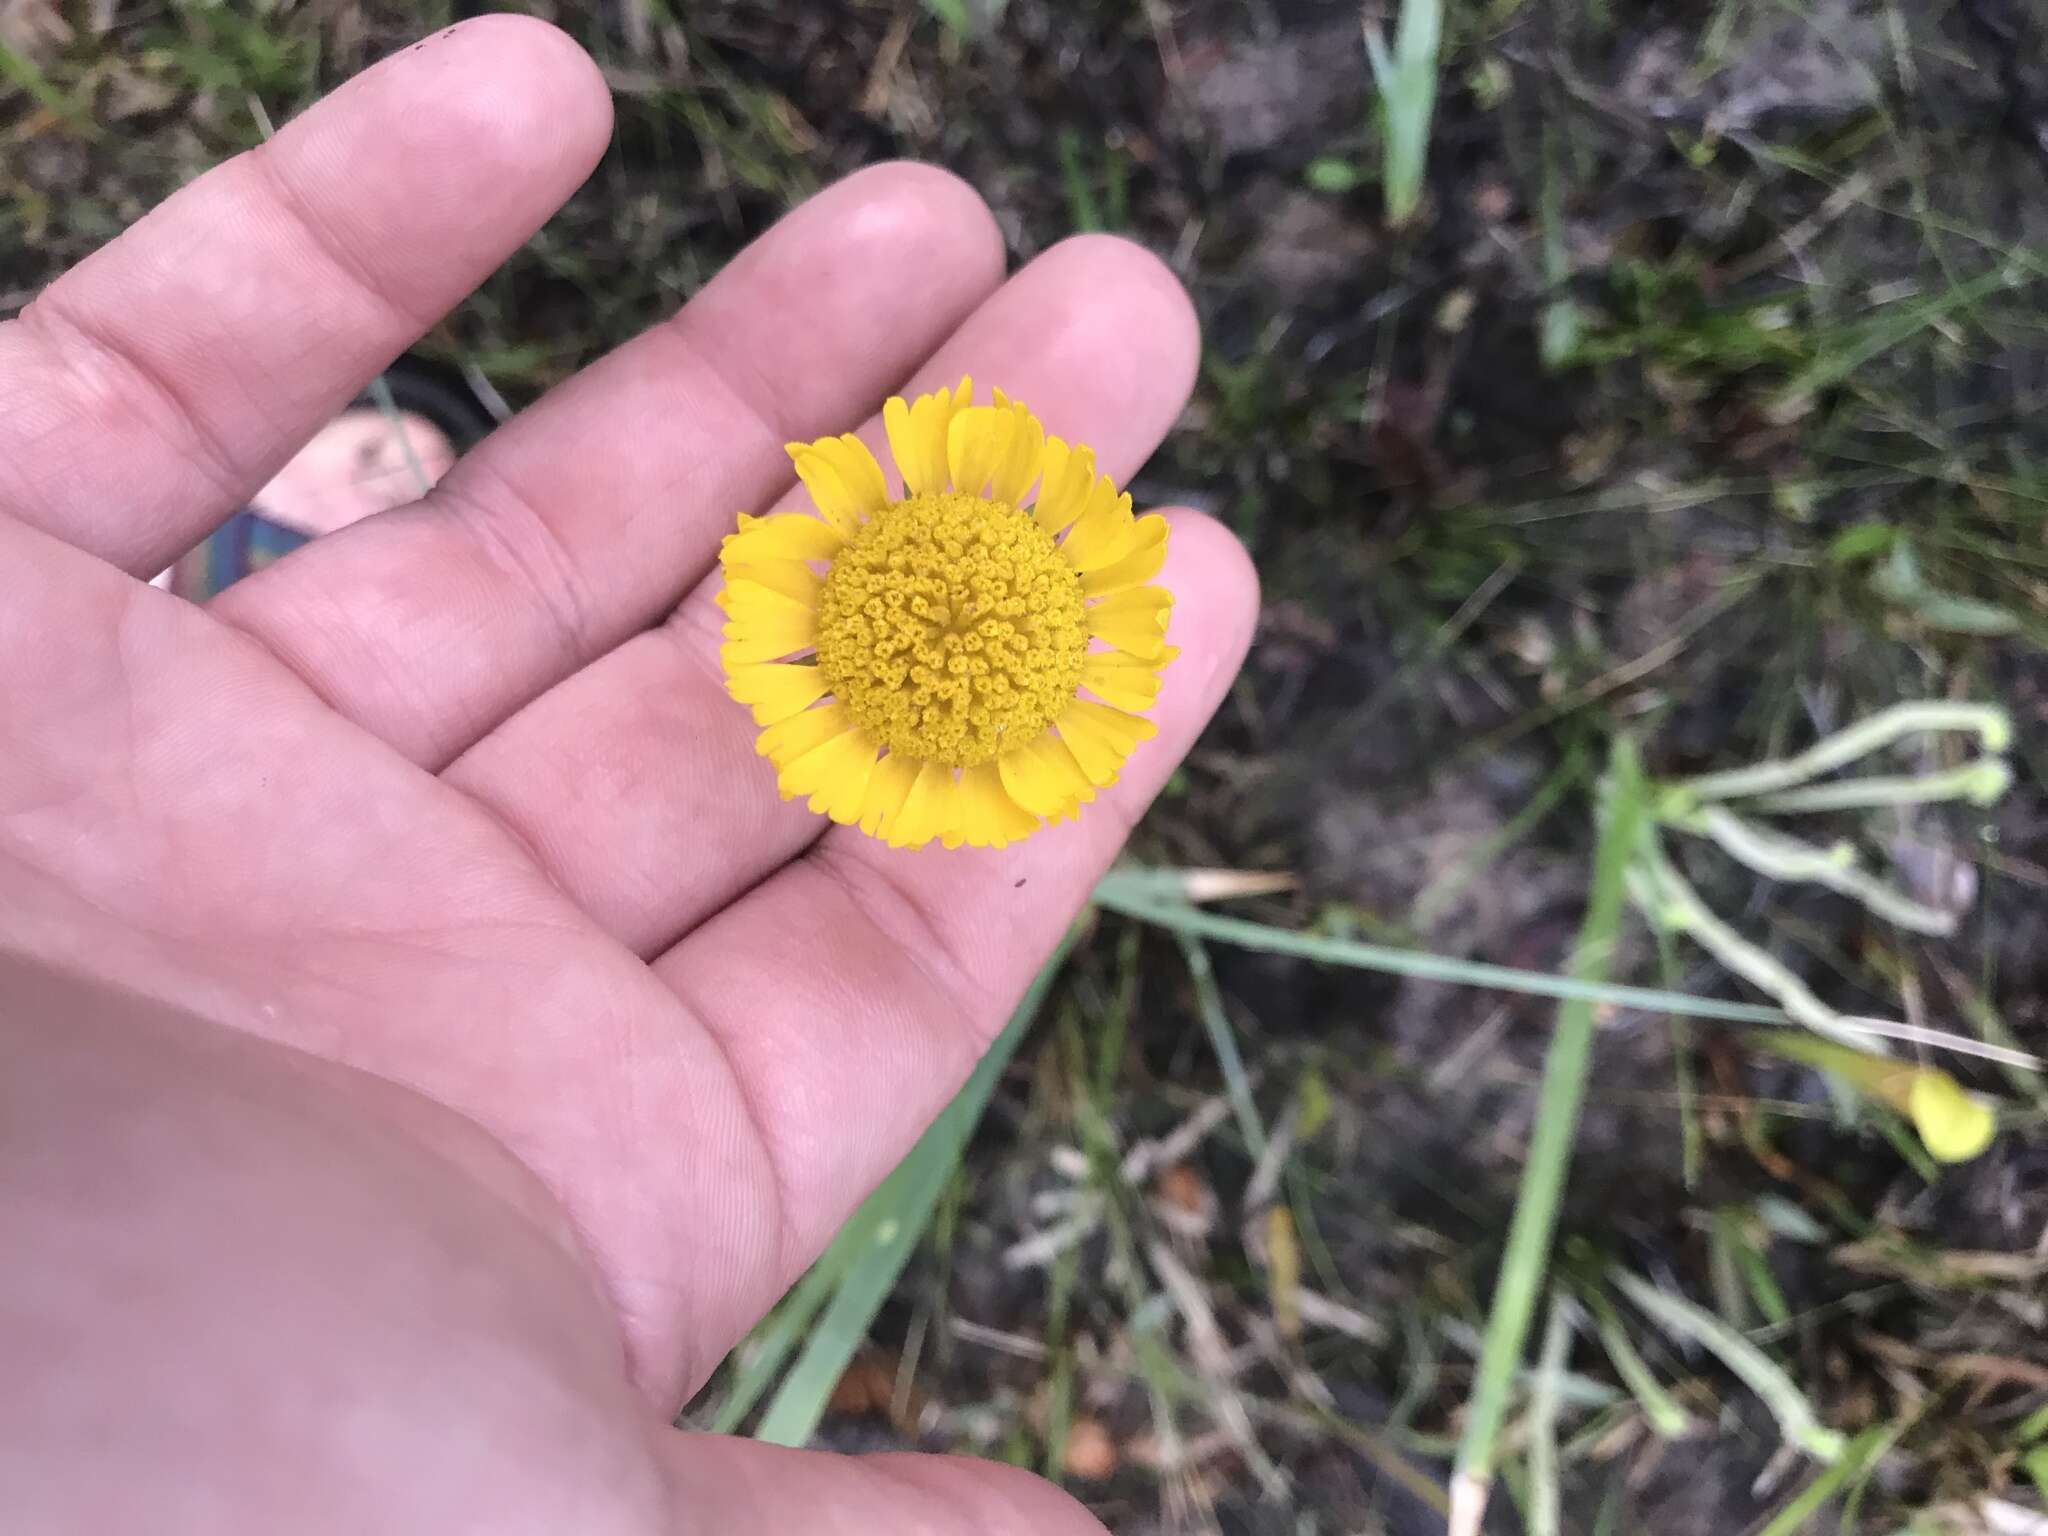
x,y
355,467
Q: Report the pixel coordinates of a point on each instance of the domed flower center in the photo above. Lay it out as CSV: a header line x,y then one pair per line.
x,y
952,628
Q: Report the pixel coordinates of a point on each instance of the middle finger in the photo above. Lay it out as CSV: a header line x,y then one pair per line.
x,y
585,518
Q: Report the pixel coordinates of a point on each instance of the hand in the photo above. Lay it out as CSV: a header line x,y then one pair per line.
x,y
430,1041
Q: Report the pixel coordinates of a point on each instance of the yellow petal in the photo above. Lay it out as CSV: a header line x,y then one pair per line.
x,y
1066,476
1953,1126
1044,778
1019,466
928,808
746,601
834,774
1016,474
886,792
1135,568
776,690
988,816
1101,738
791,578
975,439
918,432
843,478
861,471
785,536
1133,621
759,647
1106,531
1124,681
906,444
787,740
995,448
994,443
764,625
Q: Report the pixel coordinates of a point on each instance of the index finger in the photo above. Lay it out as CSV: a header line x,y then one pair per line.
x,y
147,393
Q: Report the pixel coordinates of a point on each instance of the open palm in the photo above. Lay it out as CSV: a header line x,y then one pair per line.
x,y
454,797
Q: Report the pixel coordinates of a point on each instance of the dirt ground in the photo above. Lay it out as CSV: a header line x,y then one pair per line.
x,y
1702,403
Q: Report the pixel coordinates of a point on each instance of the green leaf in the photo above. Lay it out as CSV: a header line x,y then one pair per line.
x,y
1861,542
1406,77
1327,173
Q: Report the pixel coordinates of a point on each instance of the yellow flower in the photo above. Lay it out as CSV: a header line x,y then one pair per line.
x,y
966,661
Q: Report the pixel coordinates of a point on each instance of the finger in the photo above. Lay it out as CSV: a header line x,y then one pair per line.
x,y
583,520
145,395
636,782
751,1489
893,970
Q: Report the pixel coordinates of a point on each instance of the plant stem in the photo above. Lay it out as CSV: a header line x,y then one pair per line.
x,y
1991,725
1779,857
1981,782
1668,899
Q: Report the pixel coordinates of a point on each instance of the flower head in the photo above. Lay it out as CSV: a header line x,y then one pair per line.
x,y
965,661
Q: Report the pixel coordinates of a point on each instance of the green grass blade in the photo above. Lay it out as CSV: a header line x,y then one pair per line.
x,y
879,1239
1114,894
772,1343
1407,87
19,71
1667,1420
1794,1518
1527,1258
1081,209
1546,1498
1223,1040
1890,328
1757,1370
